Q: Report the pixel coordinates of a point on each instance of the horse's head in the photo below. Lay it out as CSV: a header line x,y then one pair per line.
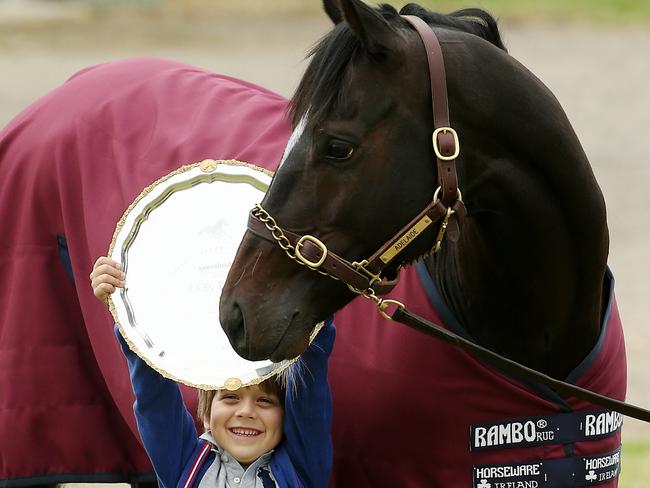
x,y
358,167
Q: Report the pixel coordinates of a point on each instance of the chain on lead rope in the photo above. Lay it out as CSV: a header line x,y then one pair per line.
x,y
290,250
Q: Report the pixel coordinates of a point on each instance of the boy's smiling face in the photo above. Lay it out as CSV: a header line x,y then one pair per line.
x,y
246,423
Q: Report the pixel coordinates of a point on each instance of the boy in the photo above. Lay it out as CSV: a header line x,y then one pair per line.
x,y
258,436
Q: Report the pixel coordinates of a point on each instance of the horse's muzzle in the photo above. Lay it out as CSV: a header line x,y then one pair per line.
x,y
232,322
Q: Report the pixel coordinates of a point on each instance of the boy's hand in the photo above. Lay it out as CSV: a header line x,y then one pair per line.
x,y
106,276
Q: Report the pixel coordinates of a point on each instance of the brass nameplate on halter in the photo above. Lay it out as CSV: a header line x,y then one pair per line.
x,y
406,239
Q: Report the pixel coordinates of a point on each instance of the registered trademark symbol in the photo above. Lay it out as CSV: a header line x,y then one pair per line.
x,y
542,424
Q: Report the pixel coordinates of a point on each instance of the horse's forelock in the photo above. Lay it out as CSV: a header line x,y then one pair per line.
x,y
321,89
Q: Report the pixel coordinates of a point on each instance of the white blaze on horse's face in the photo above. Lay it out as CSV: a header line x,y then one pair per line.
x,y
295,137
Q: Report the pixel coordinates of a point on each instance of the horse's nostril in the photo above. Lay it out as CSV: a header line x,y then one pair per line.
x,y
232,320
234,325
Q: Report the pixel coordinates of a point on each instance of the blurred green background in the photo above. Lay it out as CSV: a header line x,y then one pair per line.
x,y
600,10
564,10
527,10
591,10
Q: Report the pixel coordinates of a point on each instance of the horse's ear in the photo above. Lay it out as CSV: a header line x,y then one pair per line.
x,y
374,31
333,11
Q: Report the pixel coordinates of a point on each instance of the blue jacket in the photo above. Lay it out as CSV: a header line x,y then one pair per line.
x,y
302,459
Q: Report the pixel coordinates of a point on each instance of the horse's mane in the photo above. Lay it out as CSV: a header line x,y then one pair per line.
x,y
320,90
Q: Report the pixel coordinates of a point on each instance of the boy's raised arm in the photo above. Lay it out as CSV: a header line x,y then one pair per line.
x,y
308,413
166,427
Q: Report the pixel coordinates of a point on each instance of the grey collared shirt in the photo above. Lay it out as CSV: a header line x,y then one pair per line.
x,y
226,472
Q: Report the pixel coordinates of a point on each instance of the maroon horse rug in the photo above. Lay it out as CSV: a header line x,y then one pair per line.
x,y
408,411
70,165
443,418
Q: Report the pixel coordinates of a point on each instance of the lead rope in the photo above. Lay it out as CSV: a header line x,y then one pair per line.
x,y
402,315
405,317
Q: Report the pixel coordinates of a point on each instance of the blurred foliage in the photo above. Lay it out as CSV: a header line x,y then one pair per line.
x,y
635,465
600,10
612,10
554,10
209,8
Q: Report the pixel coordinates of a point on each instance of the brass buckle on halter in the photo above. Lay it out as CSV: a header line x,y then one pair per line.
x,y
436,147
443,229
319,244
361,266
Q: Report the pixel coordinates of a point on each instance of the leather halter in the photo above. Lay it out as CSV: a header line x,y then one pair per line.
x,y
365,275
445,139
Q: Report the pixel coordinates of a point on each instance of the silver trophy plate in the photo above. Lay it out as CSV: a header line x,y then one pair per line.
x,y
176,243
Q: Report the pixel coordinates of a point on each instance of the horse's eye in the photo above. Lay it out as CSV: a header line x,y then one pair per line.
x,y
340,150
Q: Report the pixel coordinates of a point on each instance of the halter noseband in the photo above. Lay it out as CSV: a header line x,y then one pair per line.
x,y
364,277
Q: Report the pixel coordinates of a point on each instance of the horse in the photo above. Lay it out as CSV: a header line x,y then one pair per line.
x,y
519,264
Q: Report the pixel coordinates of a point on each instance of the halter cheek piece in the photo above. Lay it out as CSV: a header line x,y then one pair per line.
x,y
365,277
